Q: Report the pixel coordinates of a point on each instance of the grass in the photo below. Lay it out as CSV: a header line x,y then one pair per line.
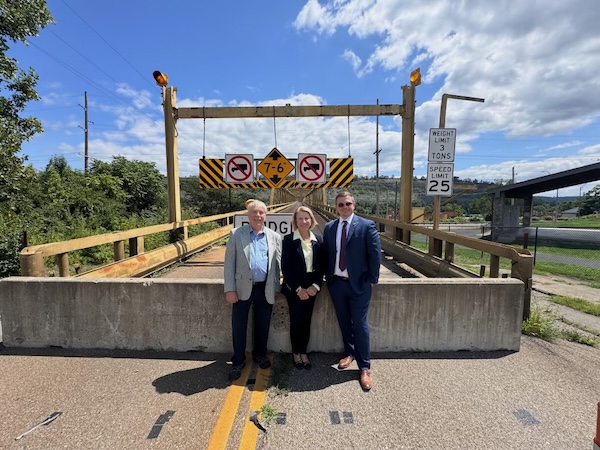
x,y
577,337
578,304
588,330
585,253
540,325
589,274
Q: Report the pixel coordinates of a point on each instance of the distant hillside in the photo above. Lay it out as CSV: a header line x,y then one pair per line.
x,y
365,190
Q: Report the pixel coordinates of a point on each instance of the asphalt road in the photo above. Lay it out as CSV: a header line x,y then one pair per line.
x,y
544,396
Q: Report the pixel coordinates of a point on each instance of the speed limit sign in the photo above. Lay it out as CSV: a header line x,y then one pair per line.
x,y
439,179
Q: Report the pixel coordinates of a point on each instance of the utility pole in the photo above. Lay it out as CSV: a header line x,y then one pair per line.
x,y
85,131
377,151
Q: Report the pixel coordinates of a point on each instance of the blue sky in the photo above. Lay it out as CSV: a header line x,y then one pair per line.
x,y
536,63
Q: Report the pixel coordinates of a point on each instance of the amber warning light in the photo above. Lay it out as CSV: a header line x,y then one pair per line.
x,y
162,79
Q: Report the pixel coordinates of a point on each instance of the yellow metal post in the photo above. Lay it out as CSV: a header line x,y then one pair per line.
x,y
408,150
32,264
169,102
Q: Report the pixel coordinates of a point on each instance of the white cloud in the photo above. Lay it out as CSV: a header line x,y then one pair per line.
x,y
565,145
532,61
353,58
140,99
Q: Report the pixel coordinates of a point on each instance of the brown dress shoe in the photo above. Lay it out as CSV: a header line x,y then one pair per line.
x,y
345,362
366,382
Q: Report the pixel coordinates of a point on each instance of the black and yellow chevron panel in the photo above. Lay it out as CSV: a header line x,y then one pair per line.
x,y
341,174
211,173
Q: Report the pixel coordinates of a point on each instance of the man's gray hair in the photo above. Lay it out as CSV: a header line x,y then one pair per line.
x,y
256,204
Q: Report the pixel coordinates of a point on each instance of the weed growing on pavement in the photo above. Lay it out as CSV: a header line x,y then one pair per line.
x,y
540,326
268,414
276,390
576,336
588,330
579,304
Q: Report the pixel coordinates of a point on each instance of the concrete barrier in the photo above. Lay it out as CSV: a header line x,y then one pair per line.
x,y
424,315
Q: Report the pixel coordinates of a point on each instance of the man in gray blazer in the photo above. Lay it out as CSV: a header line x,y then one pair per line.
x,y
252,271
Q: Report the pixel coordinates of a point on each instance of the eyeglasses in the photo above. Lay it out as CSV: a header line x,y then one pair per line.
x,y
341,205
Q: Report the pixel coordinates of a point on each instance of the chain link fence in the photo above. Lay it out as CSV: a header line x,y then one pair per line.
x,y
573,246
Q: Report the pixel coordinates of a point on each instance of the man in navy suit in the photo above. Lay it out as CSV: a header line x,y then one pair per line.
x,y
354,256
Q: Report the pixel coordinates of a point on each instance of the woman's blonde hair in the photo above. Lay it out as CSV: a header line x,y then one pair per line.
x,y
307,210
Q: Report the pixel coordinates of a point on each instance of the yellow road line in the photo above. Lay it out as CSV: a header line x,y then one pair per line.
x,y
220,434
259,393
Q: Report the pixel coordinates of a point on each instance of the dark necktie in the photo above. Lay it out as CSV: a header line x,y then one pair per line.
x,y
343,247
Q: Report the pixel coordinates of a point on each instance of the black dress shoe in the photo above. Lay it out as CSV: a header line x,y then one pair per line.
x,y
263,362
298,364
307,365
235,372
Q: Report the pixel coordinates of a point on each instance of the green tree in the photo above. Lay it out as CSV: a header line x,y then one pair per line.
x,y
455,207
19,19
143,185
590,202
481,205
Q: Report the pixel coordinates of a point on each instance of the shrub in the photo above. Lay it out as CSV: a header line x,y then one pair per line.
x,y
10,246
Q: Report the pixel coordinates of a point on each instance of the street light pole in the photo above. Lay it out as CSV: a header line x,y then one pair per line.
x,y
445,97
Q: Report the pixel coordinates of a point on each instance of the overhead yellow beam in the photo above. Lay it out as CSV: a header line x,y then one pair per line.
x,y
232,112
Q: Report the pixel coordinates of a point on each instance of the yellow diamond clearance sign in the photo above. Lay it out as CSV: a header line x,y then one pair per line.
x,y
275,167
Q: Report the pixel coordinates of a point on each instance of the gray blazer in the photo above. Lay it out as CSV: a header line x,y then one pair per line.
x,y
237,270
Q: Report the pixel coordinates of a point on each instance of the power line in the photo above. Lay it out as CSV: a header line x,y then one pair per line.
x,y
107,43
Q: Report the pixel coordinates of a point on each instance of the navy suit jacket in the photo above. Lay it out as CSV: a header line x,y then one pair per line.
x,y
363,252
293,265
